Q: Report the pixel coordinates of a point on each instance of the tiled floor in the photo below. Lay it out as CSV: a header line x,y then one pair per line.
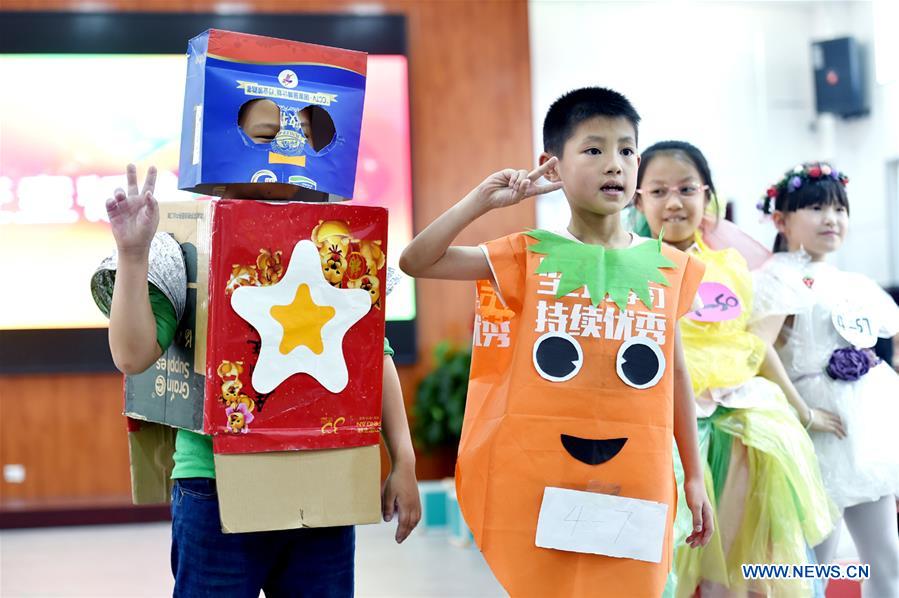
x,y
132,560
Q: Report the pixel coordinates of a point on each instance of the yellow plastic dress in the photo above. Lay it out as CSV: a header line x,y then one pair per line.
x,y
748,430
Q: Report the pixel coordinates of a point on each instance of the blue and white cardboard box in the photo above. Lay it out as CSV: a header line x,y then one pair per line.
x,y
308,84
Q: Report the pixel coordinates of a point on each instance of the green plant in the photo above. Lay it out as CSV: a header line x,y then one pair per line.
x,y
440,400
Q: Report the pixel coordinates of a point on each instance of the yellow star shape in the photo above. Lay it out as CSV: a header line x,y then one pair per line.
x,y
302,321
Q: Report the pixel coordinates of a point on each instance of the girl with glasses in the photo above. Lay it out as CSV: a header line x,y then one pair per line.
x,y
762,473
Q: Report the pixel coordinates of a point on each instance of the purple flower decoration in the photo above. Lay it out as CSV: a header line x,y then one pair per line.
x,y
795,183
835,174
850,364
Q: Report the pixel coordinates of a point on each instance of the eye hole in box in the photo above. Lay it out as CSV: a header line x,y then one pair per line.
x,y
318,126
260,119
264,121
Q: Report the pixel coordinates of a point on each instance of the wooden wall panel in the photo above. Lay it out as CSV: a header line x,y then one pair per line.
x,y
68,433
471,115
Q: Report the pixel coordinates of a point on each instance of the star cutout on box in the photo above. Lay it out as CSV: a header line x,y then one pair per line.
x,y
302,321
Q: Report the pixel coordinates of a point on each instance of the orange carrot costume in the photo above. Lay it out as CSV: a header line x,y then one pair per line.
x,y
571,392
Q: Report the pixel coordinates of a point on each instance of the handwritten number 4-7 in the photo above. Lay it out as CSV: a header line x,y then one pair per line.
x,y
576,516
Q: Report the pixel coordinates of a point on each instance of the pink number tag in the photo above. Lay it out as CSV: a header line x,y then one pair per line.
x,y
719,304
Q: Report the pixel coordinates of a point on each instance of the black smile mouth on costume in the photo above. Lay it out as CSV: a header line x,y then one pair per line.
x,y
592,452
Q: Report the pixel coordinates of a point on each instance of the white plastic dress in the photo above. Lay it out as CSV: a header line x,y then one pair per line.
x,y
864,466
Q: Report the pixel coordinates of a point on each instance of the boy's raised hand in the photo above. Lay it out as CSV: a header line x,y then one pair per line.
x,y
508,187
134,216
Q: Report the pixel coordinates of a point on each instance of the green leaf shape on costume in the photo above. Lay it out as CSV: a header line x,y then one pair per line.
x,y
615,272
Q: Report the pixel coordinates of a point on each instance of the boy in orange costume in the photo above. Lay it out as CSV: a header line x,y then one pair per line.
x,y
578,377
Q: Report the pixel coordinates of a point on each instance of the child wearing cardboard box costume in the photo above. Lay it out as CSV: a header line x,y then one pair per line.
x,y
578,378
261,335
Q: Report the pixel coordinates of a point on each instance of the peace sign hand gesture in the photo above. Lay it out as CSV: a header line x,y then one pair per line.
x,y
135,216
509,186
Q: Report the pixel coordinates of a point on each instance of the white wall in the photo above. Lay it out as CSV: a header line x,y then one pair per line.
x,y
862,148
735,79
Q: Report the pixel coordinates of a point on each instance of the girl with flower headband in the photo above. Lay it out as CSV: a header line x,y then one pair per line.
x,y
823,322
761,467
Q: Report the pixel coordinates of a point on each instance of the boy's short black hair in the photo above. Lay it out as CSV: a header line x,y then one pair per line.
x,y
579,105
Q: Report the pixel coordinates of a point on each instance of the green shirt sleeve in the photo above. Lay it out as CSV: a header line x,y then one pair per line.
x,y
166,321
388,350
163,310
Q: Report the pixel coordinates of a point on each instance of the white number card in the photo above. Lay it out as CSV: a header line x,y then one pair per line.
x,y
854,325
596,523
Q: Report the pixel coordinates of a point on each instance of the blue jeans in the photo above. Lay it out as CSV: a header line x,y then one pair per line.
x,y
206,562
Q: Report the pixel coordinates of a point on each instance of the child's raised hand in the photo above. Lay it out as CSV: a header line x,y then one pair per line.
x,y
508,187
400,496
701,508
135,216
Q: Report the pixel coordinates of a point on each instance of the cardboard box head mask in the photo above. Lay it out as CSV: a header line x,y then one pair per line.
x,y
265,110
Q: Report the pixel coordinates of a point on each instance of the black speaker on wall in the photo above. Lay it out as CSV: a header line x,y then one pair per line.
x,y
839,77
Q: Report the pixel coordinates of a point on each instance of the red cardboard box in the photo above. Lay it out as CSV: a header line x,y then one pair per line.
x,y
291,398
259,254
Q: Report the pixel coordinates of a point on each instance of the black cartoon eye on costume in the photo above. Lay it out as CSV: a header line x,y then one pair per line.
x,y
558,357
640,362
